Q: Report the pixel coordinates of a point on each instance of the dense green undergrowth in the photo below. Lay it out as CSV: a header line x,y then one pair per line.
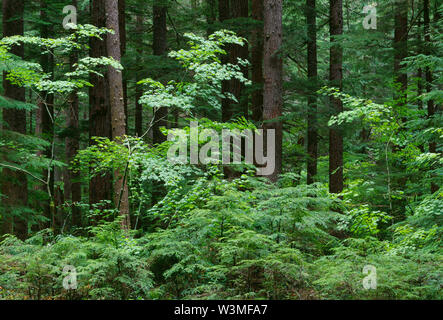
x,y
248,240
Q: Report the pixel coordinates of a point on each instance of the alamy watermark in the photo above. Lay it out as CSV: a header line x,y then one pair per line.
x,y
71,18
370,281
70,280
219,151
370,21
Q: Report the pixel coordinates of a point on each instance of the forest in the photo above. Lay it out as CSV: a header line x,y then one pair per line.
x,y
309,138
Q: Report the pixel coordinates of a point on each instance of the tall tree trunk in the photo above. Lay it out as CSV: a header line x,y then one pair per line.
x,y
257,63
400,93
336,79
239,9
138,77
223,10
273,78
14,186
122,26
46,109
100,187
400,43
223,15
420,70
210,16
159,47
118,122
312,145
72,188
431,106
257,60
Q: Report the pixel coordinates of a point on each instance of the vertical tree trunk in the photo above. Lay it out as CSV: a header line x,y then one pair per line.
x,y
336,79
400,43
210,16
73,189
401,80
100,187
46,109
273,77
122,27
257,61
223,10
239,9
431,106
223,15
159,47
118,122
311,16
14,186
138,77
420,70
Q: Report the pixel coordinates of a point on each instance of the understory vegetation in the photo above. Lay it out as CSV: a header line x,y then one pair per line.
x,y
242,239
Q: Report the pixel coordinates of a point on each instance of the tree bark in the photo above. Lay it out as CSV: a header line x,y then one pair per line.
x,y
122,27
138,77
257,61
239,9
118,120
210,16
336,79
14,185
72,188
223,10
420,70
46,110
401,44
430,105
273,78
223,15
159,47
100,187
312,145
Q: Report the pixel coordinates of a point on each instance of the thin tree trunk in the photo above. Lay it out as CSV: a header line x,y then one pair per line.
x,y
118,122
122,27
257,61
420,70
257,47
159,47
431,106
138,77
401,44
223,15
46,109
239,9
14,184
312,145
336,78
72,188
223,10
400,47
100,187
273,78
210,16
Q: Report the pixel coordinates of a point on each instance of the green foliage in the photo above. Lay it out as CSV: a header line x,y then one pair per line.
x,y
203,69
108,267
365,222
340,276
33,155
